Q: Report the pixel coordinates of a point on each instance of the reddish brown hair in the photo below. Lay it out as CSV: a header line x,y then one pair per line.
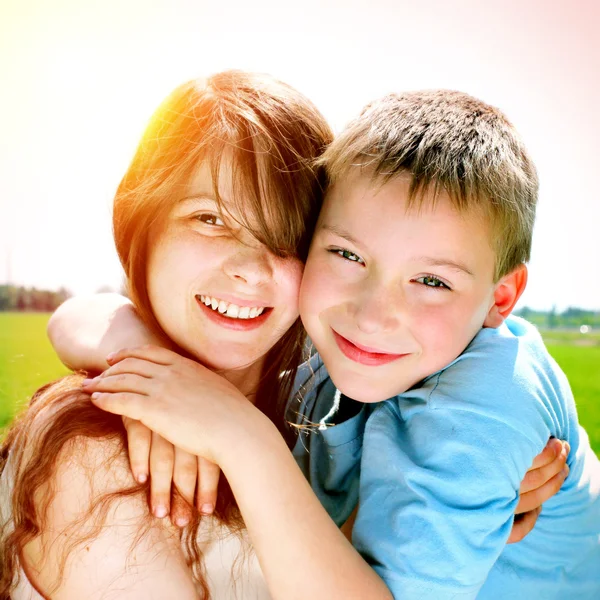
x,y
273,134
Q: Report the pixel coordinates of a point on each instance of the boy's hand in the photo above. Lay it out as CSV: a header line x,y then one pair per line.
x,y
541,482
168,465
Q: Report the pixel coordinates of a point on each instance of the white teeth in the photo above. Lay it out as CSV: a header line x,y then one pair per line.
x,y
232,310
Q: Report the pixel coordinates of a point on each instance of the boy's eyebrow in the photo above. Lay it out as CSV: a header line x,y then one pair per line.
x,y
341,233
444,262
429,260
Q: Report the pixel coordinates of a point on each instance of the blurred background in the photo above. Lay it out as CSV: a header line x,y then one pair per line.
x,y
80,78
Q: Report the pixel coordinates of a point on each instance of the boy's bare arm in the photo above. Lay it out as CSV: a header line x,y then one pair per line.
x,y
85,329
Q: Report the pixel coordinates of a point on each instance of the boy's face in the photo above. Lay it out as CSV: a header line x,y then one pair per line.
x,y
390,295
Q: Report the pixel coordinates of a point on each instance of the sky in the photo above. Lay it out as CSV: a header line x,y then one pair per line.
x,y
79,80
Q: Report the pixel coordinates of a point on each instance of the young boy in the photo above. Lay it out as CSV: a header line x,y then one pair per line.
x,y
416,264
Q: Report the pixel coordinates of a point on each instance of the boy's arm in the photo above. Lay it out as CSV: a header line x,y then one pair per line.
x,y
85,329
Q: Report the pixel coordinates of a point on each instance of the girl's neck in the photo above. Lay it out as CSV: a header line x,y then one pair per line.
x,y
246,379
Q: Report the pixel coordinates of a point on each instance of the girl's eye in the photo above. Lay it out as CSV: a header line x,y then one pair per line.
x,y
209,219
432,282
348,255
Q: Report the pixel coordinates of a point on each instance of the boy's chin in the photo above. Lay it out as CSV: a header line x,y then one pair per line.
x,y
365,391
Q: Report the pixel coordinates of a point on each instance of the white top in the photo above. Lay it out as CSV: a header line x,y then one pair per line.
x,y
231,566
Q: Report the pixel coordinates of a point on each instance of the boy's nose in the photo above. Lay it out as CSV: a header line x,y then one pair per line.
x,y
377,311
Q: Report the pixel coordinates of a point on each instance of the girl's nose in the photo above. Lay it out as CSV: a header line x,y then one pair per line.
x,y
250,264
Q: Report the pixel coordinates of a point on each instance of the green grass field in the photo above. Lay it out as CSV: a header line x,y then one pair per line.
x,y
27,361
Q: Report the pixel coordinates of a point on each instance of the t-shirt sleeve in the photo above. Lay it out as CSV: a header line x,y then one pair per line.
x,y
438,491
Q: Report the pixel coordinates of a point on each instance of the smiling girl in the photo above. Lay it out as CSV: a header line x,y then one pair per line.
x,y
212,223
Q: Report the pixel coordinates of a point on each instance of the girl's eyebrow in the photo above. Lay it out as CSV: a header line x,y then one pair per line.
x,y
199,196
205,196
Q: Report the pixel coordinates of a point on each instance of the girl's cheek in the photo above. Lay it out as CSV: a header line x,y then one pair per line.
x,y
292,272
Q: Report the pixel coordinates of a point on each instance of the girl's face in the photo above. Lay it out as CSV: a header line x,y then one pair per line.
x,y
216,291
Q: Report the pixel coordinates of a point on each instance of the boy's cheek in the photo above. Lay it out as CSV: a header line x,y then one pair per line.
x,y
443,333
317,288
314,300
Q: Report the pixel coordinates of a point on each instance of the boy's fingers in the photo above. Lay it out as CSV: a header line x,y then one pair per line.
x,y
185,474
548,454
155,354
523,524
161,475
208,481
536,497
138,444
536,478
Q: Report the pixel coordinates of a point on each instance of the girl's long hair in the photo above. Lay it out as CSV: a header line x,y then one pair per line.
x,y
273,136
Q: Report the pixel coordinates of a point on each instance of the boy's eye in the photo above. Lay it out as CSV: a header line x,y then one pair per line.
x,y
347,255
209,219
431,281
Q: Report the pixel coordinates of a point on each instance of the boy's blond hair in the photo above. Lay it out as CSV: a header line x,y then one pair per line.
x,y
447,140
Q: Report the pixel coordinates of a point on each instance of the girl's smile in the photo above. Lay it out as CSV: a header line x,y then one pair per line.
x,y
240,317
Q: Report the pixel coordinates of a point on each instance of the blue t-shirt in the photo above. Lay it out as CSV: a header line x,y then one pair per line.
x,y
440,471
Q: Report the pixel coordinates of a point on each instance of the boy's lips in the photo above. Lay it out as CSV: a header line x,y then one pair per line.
x,y
231,323
363,354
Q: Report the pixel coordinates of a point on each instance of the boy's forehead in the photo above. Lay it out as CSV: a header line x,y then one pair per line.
x,y
373,213
356,184
359,189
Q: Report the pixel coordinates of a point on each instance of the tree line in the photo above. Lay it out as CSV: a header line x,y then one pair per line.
x,y
19,298
571,318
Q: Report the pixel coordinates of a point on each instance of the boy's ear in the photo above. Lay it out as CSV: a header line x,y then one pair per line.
x,y
508,291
